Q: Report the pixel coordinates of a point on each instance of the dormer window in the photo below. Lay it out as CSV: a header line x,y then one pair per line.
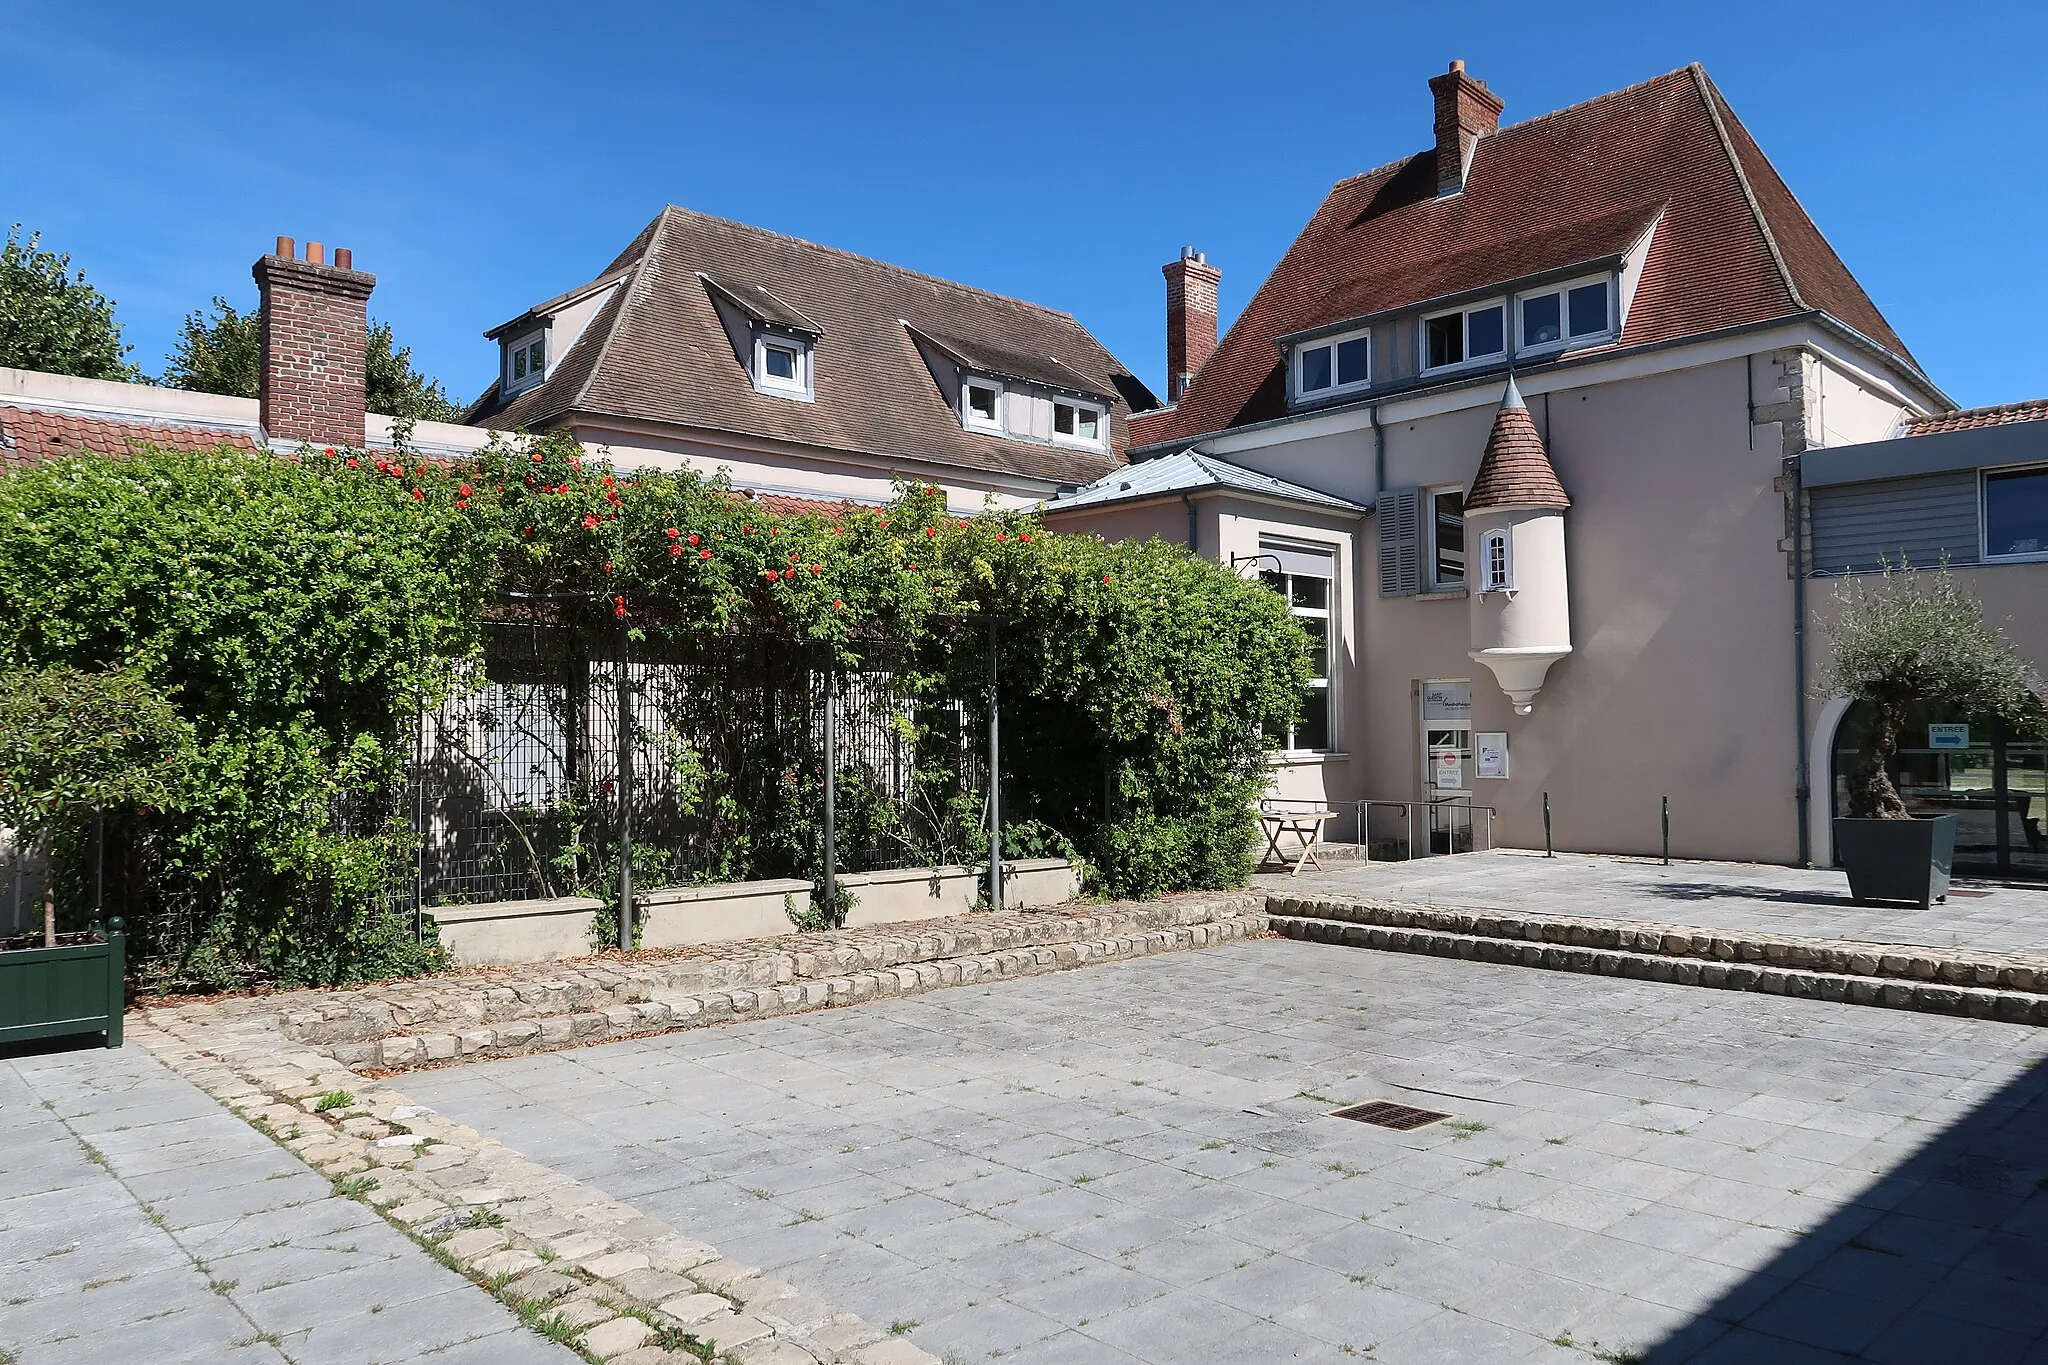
x,y
1332,365
981,405
782,364
526,361
1575,312
1077,424
1464,336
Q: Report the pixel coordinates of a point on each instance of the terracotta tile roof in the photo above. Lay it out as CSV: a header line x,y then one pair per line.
x,y
29,436
656,352
2033,410
1516,469
1732,246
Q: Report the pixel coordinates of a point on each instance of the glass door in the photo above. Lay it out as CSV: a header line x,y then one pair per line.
x,y
1447,763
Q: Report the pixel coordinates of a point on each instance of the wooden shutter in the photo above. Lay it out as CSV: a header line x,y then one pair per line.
x,y
1399,513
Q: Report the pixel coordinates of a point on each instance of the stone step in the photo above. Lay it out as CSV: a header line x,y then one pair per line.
x,y
1840,957
404,1049
1977,1002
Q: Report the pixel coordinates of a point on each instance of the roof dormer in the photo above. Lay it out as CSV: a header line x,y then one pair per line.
x,y
1018,397
771,338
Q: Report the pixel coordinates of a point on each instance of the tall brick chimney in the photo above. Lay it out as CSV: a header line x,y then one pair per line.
x,y
1465,112
315,331
1190,318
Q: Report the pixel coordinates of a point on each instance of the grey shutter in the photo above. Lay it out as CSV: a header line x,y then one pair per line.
x,y
1399,513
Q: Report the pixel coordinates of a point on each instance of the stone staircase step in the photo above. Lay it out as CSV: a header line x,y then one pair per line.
x,y
1933,997
1840,957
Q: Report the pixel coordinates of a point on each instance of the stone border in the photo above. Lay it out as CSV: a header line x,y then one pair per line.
x,y
576,1265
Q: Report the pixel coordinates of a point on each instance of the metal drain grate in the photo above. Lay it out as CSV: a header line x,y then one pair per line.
x,y
1401,1118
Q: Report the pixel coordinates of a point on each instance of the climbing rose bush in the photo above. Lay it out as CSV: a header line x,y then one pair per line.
x,y
299,612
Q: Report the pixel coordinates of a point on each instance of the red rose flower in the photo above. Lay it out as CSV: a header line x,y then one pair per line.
x,y
462,504
1105,578
1002,535
354,463
526,531
464,490
675,550
748,529
1023,535
839,606
618,611
789,573
673,534
589,523
330,450
703,554
931,531
536,457
692,538
418,495
607,566
816,569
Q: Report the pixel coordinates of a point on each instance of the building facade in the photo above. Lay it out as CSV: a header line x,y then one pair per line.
x,y
1562,378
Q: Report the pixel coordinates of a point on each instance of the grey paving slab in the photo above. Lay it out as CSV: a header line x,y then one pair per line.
x,y
1999,917
234,1251
1641,1167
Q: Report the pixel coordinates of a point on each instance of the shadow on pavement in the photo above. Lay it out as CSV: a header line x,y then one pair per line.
x,y
1943,1259
1715,891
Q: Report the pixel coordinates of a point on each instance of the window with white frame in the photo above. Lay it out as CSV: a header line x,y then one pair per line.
x,y
782,364
2016,513
1076,423
1445,524
1496,570
981,405
1332,365
1464,335
1304,578
1561,314
526,361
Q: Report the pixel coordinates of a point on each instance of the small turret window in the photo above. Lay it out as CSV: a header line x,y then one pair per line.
x,y
1496,573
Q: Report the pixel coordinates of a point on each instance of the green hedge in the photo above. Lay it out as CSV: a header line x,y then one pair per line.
x,y
298,612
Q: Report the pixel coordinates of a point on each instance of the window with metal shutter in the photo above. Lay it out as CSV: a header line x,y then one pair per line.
x,y
1399,513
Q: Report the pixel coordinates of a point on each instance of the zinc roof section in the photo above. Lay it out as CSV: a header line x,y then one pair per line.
x,y
1190,472
656,353
1732,246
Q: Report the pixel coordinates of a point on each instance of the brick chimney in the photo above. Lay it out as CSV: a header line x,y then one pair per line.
x,y
1190,318
315,331
1465,112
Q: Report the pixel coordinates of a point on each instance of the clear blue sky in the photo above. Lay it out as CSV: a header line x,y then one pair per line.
x,y
480,158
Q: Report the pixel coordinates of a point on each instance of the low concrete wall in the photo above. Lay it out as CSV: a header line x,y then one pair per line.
x,y
675,916
915,893
517,931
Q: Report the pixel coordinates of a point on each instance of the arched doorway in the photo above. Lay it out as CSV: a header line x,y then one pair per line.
x,y
1994,783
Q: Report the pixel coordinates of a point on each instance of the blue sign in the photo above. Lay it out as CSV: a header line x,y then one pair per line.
x,y
1948,736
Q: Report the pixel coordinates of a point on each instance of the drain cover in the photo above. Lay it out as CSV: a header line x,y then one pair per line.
x,y
1401,1118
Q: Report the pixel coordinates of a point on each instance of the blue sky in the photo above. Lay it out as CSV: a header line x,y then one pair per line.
x,y
479,158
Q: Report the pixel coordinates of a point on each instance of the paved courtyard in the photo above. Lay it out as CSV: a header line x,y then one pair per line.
x,y
1781,900
1134,1163
141,1222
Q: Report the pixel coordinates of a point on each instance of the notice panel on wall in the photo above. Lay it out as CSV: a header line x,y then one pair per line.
x,y
1446,703
1492,750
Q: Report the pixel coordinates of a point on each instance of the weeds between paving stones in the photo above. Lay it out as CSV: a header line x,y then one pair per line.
x,y
334,1099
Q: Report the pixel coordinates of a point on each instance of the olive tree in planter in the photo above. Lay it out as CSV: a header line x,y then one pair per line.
x,y
1899,639
74,745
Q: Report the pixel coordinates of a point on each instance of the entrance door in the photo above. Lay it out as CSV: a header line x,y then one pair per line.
x,y
1447,762
1993,782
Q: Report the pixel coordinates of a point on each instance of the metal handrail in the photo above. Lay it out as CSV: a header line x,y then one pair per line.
x,y
1359,810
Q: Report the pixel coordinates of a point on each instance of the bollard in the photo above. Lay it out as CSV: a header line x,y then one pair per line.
x,y
1667,831
1546,827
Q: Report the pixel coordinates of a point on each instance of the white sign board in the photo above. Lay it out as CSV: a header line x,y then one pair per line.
x,y
1446,769
1492,748
1446,704
1948,736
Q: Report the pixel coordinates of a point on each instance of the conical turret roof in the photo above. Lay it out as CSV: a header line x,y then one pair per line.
x,y
1516,471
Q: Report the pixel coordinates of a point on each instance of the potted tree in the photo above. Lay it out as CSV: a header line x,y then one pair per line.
x,y
74,746
1896,640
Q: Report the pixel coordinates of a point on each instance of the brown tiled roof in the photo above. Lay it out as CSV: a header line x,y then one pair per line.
x,y
1516,469
1732,246
2033,410
656,353
29,436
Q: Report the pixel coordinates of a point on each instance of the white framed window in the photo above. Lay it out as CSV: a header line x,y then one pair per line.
x,y
1496,568
526,361
1464,336
1558,315
2015,503
1076,423
782,364
981,405
1305,580
1332,365
1444,523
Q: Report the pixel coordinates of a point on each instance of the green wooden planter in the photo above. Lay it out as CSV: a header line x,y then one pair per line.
x,y
54,992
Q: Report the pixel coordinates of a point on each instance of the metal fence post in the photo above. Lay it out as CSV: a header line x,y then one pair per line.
x,y
1667,831
1546,827
625,790
831,783
995,783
